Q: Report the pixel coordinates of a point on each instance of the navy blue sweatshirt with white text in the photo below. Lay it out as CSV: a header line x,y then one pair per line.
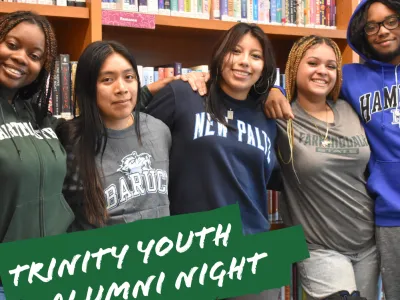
x,y
212,166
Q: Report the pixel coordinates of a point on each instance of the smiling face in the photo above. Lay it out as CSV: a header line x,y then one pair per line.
x,y
21,57
117,87
317,72
242,67
385,43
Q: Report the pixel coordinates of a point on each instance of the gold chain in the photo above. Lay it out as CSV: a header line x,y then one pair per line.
x,y
325,142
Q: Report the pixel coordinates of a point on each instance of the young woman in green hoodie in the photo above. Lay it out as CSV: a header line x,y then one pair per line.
x,y
32,160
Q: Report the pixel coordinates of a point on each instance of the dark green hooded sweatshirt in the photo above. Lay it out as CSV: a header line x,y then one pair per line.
x,y
32,171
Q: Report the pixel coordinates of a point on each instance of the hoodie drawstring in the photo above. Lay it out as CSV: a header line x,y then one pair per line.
x,y
9,133
40,130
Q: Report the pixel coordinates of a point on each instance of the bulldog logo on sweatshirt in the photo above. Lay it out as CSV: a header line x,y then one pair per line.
x,y
133,163
139,179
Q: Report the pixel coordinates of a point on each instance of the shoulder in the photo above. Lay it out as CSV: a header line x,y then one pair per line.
x,y
152,125
345,110
180,86
342,106
147,121
183,92
354,70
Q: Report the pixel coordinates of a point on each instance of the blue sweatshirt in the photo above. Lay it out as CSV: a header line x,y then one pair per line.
x,y
211,166
372,90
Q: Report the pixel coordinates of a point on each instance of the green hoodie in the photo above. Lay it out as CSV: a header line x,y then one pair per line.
x,y
32,171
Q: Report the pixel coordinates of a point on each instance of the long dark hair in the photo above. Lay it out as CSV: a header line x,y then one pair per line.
x,y
86,134
227,43
357,35
40,89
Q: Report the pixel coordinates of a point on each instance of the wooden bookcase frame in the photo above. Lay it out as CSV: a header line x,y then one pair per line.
x,y
186,40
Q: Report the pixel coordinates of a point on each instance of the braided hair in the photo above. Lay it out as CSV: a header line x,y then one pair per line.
x,y
357,35
40,89
292,66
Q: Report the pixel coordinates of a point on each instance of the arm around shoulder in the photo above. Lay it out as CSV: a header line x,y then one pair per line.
x,y
162,106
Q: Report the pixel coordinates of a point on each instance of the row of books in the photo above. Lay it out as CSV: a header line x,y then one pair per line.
x,y
149,75
63,87
79,3
308,13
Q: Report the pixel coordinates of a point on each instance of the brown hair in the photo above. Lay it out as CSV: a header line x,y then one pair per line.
x,y
226,45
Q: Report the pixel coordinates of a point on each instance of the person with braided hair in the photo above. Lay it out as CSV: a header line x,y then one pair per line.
x,y
372,90
323,155
32,160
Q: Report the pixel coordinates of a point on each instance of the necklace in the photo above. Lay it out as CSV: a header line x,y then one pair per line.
x,y
230,114
325,142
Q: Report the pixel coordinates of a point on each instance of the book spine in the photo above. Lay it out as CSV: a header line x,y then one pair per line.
x,y
80,3
73,66
243,10
261,11
65,75
273,11
250,11
255,10
312,13
56,90
283,12
174,7
224,9
216,12
278,11
318,13
143,6
177,68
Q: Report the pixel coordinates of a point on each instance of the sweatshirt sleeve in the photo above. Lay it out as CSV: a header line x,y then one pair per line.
x,y
145,97
344,90
162,106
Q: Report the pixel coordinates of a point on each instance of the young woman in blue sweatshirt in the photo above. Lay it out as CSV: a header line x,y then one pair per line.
x,y
222,150
372,89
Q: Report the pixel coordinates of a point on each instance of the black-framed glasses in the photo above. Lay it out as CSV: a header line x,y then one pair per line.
x,y
390,23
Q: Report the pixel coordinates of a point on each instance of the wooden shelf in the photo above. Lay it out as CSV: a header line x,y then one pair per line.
x,y
53,11
201,24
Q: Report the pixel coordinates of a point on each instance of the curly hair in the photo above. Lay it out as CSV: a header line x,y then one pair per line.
x,y
357,35
42,85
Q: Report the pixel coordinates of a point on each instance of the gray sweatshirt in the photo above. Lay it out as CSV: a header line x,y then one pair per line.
x,y
135,178
331,201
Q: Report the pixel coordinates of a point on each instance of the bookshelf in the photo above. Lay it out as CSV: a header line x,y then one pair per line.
x,y
190,41
187,40
75,27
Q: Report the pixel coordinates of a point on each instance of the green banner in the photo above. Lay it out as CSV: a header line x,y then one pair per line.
x,y
195,256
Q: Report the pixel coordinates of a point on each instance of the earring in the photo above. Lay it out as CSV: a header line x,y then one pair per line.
x,y
259,84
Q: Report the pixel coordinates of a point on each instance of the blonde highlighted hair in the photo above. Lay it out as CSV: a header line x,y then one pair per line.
x,y
292,66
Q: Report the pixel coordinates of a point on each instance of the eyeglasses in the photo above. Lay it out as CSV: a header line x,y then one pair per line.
x,y
389,23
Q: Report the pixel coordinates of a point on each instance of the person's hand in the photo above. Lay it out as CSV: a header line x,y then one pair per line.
x,y
277,106
197,81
